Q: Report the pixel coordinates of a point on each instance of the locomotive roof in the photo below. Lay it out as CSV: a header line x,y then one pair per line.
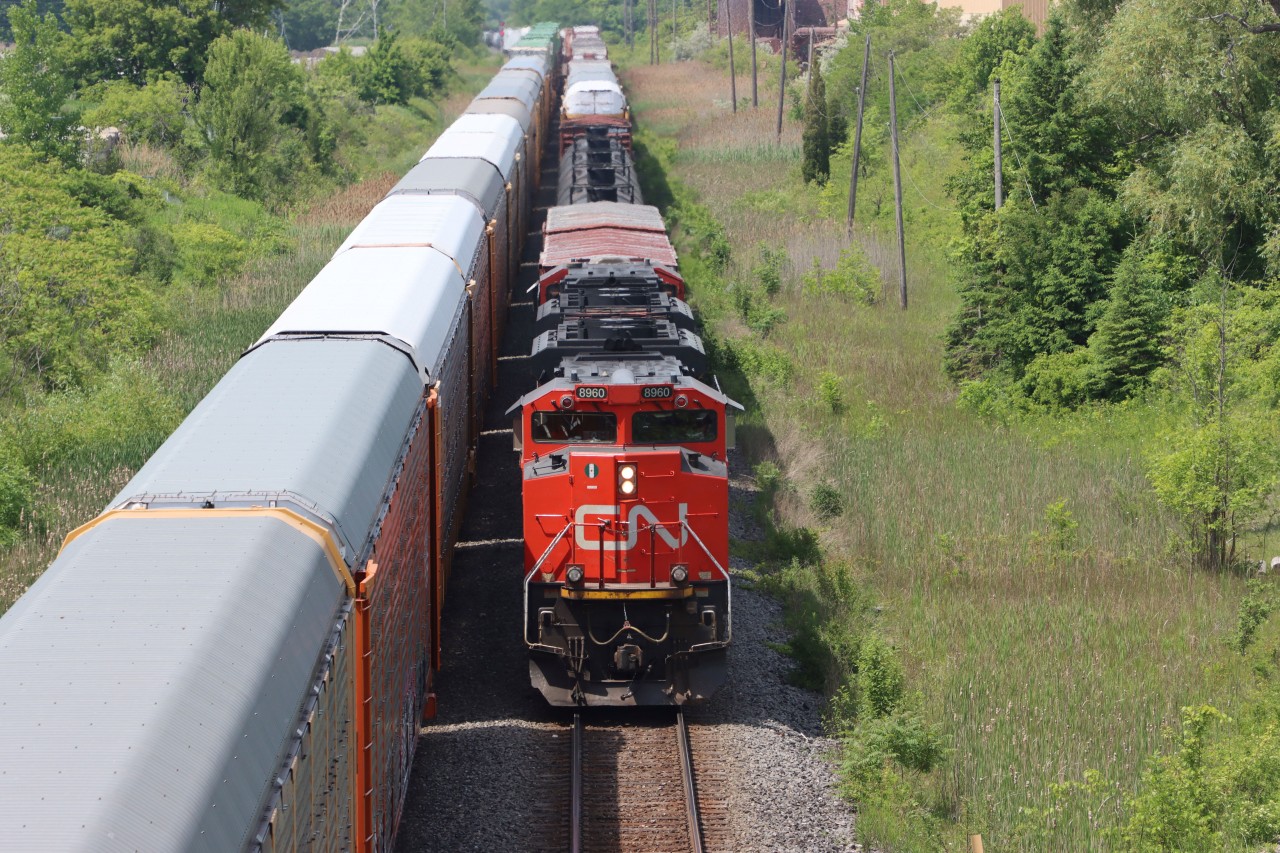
x,y
622,369
156,670
474,179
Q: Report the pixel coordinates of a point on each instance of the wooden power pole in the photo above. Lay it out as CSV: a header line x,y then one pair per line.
x,y
857,136
897,183
751,36
782,80
999,170
733,71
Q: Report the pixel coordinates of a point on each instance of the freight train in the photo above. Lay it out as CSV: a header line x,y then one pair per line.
x,y
237,653
623,442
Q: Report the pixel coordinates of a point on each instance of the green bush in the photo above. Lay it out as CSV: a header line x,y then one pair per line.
x,y
769,270
854,277
17,494
831,392
826,502
1062,380
880,678
120,419
206,251
154,114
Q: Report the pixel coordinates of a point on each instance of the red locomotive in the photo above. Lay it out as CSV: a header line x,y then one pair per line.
x,y
623,446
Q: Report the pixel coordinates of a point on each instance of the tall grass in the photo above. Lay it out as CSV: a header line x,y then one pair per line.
x,y
1024,569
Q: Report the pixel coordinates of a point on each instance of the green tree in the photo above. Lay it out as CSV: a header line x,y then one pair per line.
x,y
34,86
816,140
1127,345
1216,469
155,114
255,118
137,39
43,7
308,24
993,40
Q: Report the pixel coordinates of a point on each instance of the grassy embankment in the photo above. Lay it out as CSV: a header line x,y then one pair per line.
x,y
105,434
1021,570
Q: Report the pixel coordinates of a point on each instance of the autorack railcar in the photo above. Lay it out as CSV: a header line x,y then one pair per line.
x,y
236,654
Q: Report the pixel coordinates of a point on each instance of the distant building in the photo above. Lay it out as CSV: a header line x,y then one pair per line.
x,y
1035,11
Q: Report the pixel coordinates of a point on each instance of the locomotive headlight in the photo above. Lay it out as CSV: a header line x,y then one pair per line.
x,y
574,574
627,479
679,574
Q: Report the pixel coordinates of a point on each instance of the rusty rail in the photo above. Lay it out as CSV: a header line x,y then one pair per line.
x,y
575,788
690,785
619,821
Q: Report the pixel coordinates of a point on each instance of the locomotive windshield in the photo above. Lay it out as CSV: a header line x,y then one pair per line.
x,y
680,427
575,427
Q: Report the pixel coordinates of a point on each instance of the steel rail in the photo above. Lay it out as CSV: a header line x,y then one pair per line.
x,y
575,787
690,788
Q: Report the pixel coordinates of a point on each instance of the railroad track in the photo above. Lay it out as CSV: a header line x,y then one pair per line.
x,y
639,787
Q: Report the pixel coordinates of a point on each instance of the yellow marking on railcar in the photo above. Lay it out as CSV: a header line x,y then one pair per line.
x,y
314,531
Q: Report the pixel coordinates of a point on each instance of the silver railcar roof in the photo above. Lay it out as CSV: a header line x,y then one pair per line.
x,y
320,420
503,106
151,681
476,180
410,295
446,223
499,143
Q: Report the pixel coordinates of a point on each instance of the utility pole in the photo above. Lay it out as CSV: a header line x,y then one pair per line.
x,y
857,136
999,167
751,35
653,33
674,21
782,80
897,182
733,71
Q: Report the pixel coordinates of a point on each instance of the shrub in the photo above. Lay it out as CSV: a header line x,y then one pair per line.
x,y
880,678
206,251
769,269
854,277
1061,380
154,114
831,392
826,502
17,493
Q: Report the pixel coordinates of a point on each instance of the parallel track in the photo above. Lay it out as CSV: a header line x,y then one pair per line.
x,y
633,788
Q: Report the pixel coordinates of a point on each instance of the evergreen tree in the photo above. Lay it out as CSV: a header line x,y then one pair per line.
x,y
35,85
1127,345
816,139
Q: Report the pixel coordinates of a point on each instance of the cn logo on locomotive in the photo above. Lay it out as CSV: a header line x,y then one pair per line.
x,y
638,511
